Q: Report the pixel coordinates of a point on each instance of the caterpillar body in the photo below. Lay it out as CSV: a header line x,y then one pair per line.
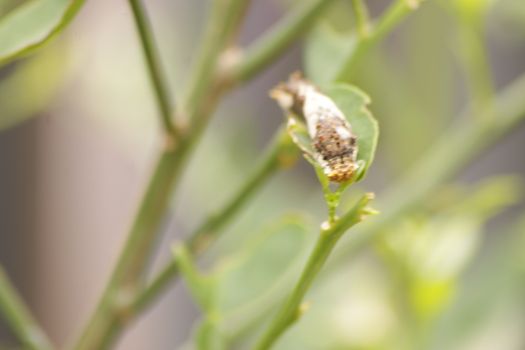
x,y
332,138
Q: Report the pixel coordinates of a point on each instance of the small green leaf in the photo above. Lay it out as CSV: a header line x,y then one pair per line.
x,y
32,24
244,285
325,52
249,282
300,137
200,286
353,103
32,86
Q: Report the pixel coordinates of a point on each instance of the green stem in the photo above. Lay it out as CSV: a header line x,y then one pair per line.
x,y
200,286
278,39
112,312
19,318
393,15
292,310
160,283
225,19
281,153
116,307
452,152
475,64
160,86
362,18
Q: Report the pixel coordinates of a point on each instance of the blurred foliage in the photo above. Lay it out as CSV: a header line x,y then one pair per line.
x,y
31,86
394,301
245,285
443,278
32,23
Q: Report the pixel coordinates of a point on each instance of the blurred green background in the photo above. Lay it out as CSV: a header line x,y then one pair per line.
x,y
78,135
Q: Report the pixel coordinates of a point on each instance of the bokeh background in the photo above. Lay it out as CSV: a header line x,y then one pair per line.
x,y
79,134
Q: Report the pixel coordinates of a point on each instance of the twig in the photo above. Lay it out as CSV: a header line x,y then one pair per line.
x,y
278,39
392,16
112,311
474,60
362,18
154,66
222,26
292,308
280,154
115,309
19,318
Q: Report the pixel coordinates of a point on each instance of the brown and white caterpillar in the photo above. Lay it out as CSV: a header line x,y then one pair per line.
x,y
332,139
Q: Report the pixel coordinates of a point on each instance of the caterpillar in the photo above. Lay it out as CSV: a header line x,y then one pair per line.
x,y
332,138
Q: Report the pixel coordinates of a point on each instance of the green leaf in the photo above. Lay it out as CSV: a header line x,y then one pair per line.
x,y
32,24
251,281
246,284
200,286
325,52
353,103
32,86
299,134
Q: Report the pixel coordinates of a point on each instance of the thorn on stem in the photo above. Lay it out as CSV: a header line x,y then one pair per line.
x,y
302,309
325,226
413,4
122,302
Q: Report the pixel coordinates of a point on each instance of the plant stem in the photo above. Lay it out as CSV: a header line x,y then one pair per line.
x,y
362,18
475,64
392,16
225,18
292,310
278,39
115,308
451,153
160,86
112,312
19,318
281,153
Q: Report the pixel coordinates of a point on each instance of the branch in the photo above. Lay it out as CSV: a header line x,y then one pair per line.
x,y
362,18
392,16
222,26
19,318
281,154
294,307
277,40
115,308
451,153
475,64
111,313
154,66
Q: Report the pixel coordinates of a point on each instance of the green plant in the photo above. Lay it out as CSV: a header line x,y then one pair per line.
x,y
332,59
